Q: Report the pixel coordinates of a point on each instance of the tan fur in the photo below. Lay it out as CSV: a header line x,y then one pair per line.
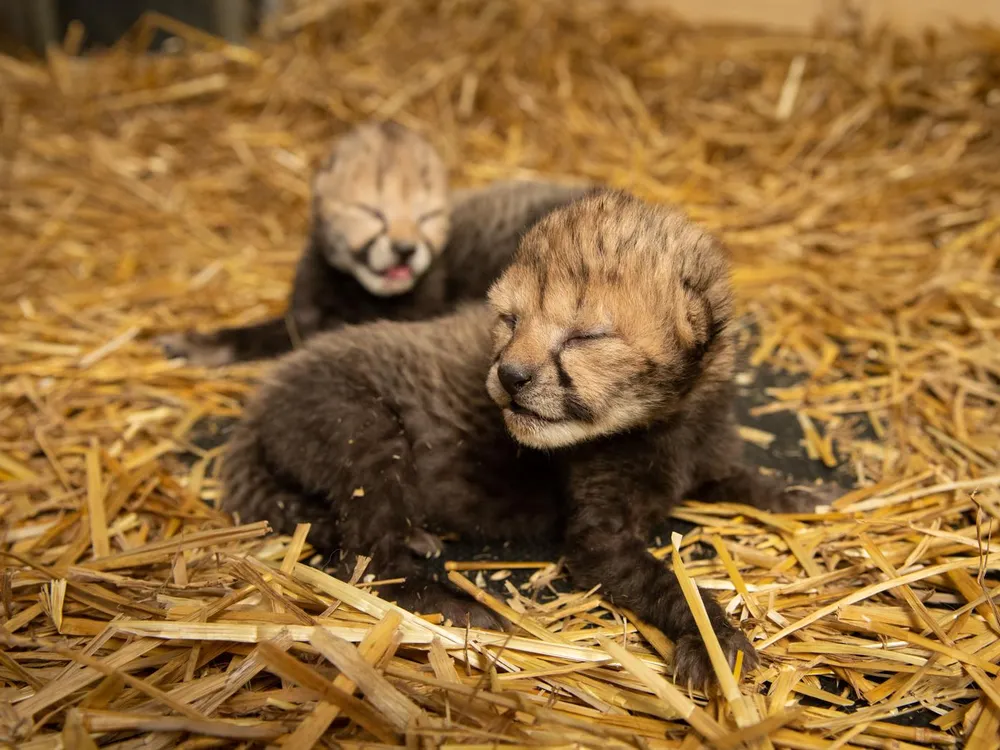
x,y
609,320
383,188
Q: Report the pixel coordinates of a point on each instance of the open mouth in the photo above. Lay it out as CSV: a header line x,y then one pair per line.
x,y
401,272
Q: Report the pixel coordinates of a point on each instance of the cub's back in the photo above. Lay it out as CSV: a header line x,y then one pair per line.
x,y
486,225
437,366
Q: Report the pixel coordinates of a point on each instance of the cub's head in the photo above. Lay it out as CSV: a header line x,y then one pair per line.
x,y
380,207
613,316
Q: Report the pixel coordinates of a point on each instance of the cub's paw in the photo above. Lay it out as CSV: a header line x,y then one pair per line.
x,y
805,498
460,611
693,668
202,349
425,544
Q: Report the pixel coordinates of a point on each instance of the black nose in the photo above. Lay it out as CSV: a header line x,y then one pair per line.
x,y
513,377
404,250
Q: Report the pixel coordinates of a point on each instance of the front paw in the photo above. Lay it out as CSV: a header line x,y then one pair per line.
x,y
201,349
692,666
425,544
456,609
805,498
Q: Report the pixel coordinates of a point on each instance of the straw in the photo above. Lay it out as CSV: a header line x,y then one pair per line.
x,y
852,173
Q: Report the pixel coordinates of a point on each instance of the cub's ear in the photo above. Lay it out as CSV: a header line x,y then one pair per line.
x,y
393,130
324,168
324,181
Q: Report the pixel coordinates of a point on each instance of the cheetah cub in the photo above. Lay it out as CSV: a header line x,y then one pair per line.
x,y
607,362
386,242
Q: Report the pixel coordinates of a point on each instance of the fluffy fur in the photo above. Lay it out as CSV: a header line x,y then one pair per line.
x,y
607,359
386,242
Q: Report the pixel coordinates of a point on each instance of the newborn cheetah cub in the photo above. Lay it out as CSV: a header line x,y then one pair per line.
x,y
607,363
387,241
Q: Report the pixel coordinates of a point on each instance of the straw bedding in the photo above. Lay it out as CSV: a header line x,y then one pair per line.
x,y
854,174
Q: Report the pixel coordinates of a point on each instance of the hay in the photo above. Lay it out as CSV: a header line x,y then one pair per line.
x,y
854,176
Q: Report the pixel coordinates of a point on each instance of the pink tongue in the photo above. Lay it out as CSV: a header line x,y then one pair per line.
x,y
398,273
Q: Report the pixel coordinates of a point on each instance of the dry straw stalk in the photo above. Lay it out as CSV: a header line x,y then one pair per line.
x,y
852,173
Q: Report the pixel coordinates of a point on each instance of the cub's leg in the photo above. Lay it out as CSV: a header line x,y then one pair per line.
x,y
606,545
332,455
721,476
269,338
742,484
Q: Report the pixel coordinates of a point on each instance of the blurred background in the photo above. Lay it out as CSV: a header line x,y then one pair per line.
x,y
36,23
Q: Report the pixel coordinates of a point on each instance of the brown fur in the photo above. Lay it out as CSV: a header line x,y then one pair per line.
x,y
615,312
386,242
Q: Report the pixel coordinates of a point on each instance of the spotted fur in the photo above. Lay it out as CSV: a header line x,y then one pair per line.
x,y
615,313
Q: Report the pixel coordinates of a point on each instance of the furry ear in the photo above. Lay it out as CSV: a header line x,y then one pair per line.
x,y
323,180
685,304
324,168
326,164
392,130
709,327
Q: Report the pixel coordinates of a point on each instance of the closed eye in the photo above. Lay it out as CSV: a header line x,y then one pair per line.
x,y
431,215
362,250
371,211
583,337
509,319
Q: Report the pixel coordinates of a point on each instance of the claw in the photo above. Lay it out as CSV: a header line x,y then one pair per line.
x,y
198,349
425,544
693,665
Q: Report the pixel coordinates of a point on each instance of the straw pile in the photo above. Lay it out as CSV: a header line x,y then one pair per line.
x,y
855,176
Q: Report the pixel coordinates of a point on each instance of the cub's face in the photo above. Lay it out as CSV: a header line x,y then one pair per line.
x,y
380,207
611,317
